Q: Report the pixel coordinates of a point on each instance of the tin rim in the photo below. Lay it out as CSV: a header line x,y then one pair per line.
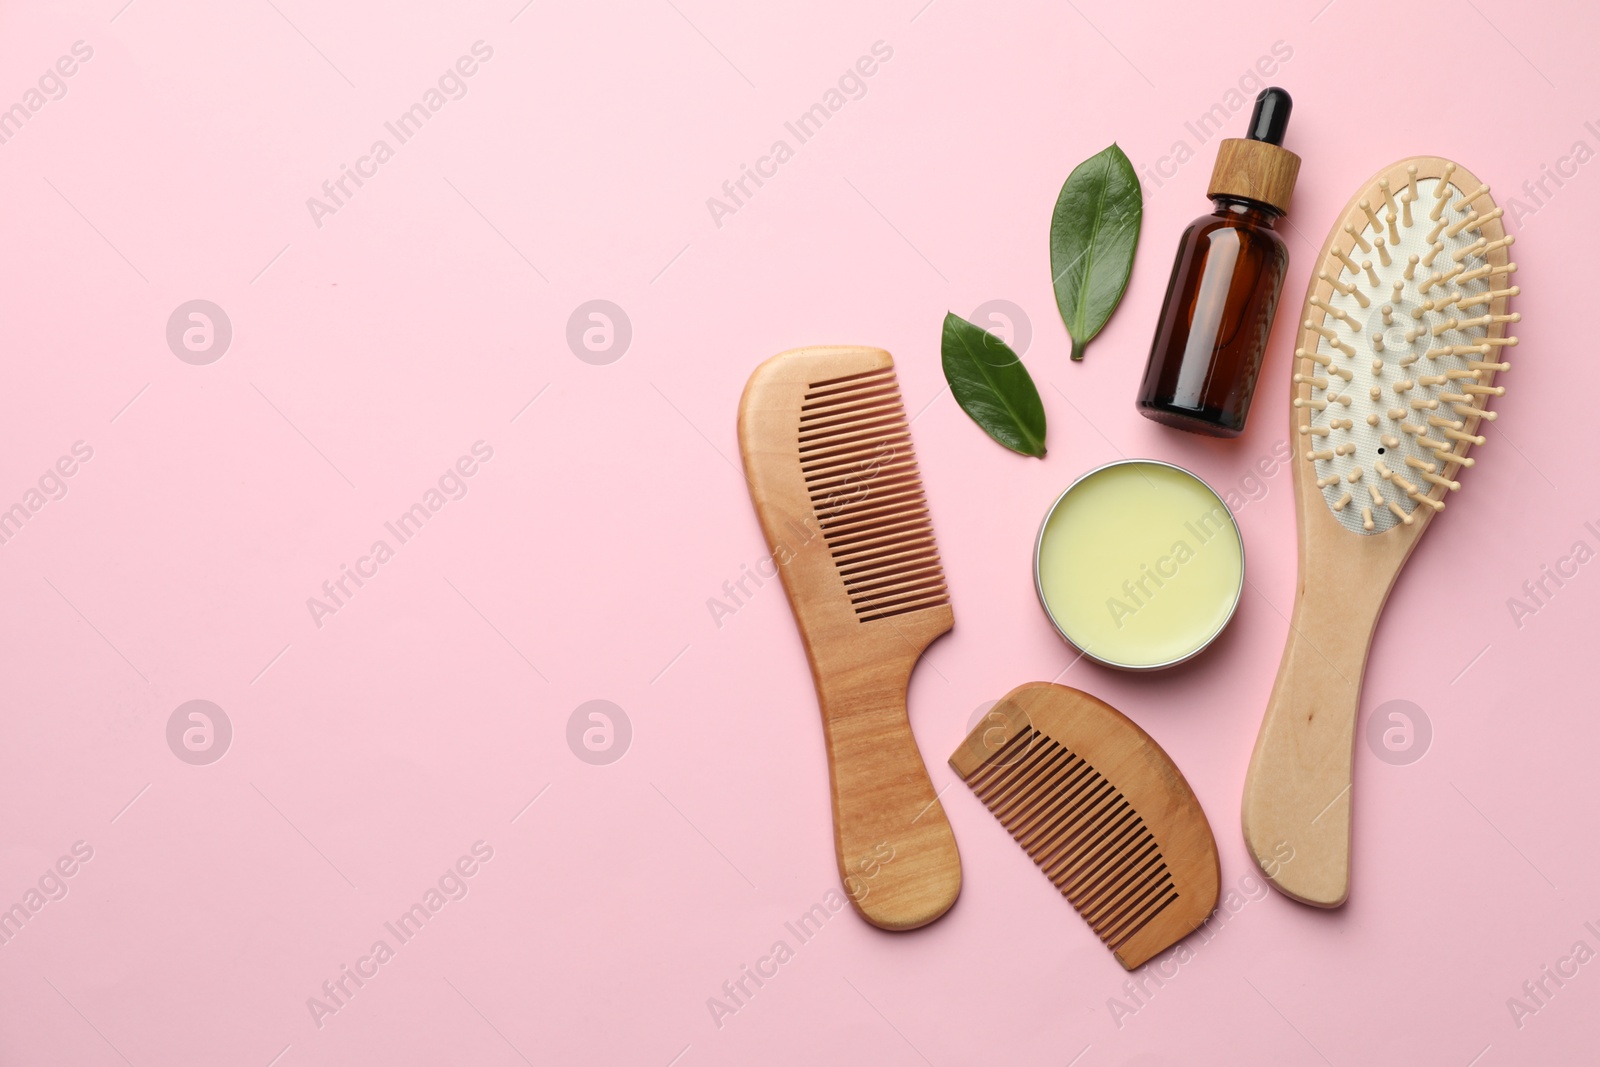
x,y
1038,586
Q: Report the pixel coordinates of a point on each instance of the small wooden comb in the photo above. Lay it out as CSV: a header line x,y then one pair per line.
x,y
1102,810
827,454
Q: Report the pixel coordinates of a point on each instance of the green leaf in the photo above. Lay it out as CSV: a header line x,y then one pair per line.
x,y
1093,233
991,385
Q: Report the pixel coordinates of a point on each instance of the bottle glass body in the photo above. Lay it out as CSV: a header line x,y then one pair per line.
x,y
1218,311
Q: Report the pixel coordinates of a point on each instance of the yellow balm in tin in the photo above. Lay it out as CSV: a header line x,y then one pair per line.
x,y
1139,564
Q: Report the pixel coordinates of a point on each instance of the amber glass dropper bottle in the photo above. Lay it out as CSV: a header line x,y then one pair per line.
x,y
1225,284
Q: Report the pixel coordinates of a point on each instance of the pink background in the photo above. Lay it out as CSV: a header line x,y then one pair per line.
x,y
371,352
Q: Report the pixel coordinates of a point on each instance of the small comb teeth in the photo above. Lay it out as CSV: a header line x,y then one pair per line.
x,y
861,476
1081,832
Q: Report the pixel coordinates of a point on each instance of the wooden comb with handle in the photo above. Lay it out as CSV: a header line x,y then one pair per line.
x,y
1102,810
827,454
1402,334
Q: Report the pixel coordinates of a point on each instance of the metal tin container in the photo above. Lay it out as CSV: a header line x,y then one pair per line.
x,y
1044,603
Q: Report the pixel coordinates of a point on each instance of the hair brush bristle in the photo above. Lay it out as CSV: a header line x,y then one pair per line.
x,y
1403,335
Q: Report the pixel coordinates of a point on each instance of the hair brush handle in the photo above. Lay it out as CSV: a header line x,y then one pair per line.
x,y
897,854
1296,808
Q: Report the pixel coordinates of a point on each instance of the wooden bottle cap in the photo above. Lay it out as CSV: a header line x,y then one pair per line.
x,y
1255,170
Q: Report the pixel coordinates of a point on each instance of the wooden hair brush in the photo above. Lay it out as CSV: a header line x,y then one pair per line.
x,y
1403,332
827,454
1102,810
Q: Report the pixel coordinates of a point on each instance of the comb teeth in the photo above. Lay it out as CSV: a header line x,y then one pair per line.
x,y
1081,831
861,477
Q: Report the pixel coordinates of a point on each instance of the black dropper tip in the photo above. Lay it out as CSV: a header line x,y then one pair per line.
x,y
1271,116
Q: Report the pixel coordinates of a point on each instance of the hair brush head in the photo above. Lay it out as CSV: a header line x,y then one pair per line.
x,y
1404,330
